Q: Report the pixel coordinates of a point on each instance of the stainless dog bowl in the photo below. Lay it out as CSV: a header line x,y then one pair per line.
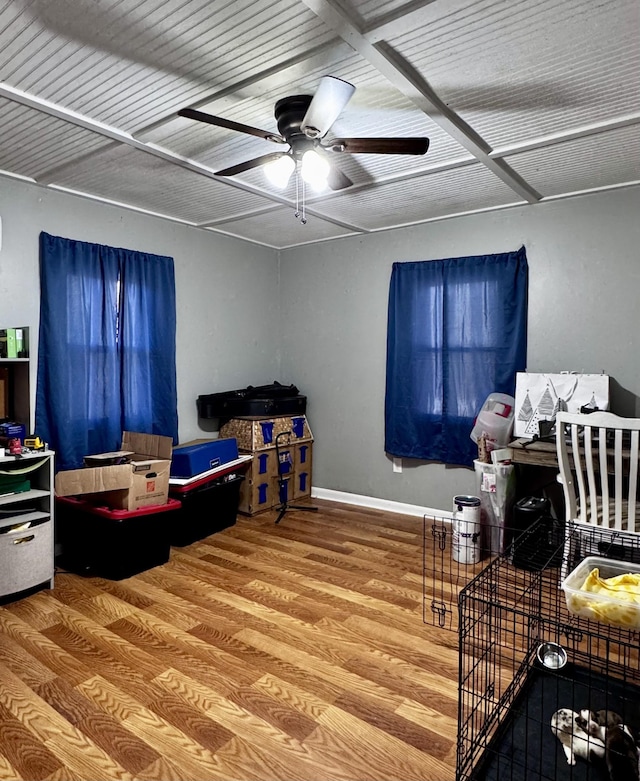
x,y
552,655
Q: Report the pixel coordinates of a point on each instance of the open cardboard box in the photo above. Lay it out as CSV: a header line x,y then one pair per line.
x,y
142,482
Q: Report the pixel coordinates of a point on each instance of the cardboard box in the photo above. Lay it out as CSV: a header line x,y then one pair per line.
x,y
261,491
109,459
303,453
142,482
258,492
261,433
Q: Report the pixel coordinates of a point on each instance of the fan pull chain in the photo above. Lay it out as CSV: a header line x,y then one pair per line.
x,y
300,213
303,219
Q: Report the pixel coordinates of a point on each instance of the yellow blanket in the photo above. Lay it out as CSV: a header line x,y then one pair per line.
x,y
623,591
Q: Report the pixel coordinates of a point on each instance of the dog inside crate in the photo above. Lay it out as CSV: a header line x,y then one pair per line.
x,y
526,749
521,719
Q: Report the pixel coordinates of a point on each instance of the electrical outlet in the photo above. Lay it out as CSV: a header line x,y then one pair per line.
x,y
397,465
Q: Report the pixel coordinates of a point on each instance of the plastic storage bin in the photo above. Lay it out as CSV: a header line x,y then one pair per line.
x,y
112,544
495,420
26,552
208,506
618,610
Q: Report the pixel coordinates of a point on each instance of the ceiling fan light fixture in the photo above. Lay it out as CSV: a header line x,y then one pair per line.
x,y
314,169
279,171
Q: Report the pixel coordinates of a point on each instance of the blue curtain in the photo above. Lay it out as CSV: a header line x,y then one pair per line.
x,y
106,352
457,331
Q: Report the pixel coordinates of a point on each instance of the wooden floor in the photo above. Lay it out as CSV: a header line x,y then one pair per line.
x,y
290,651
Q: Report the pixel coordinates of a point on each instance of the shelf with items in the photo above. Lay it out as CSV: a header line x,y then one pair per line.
x,y
14,343
26,522
15,393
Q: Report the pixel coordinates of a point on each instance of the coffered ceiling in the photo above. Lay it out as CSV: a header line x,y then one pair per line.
x,y
521,101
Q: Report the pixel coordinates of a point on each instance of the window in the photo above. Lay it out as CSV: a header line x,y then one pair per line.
x,y
106,352
456,333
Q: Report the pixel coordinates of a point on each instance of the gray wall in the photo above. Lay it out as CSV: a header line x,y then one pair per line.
x,y
226,290
584,315
316,316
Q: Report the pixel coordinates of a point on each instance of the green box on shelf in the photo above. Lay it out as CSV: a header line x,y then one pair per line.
x,y
13,484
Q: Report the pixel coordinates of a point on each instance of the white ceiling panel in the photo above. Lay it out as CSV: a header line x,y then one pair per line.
x,y
33,143
520,70
137,178
123,62
595,161
419,199
281,228
520,101
375,9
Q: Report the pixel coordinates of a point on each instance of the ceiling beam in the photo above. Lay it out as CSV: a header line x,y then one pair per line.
x,y
408,81
574,134
410,16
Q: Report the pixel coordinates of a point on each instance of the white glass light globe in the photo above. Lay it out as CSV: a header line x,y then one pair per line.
x,y
278,171
315,169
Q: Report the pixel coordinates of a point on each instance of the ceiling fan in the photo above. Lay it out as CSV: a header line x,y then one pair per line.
x,y
303,122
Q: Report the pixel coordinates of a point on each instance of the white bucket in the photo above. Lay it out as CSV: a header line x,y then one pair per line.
x,y
467,545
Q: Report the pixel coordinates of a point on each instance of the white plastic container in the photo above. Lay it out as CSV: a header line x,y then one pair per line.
x,y
601,606
495,486
495,420
466,545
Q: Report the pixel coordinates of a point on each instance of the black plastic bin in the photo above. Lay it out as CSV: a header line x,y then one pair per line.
x,y
112,544
538,538
208,506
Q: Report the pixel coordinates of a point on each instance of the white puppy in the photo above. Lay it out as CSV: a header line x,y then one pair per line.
x,y
569,727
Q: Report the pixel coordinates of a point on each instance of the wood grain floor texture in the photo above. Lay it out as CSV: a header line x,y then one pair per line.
x,y
284,652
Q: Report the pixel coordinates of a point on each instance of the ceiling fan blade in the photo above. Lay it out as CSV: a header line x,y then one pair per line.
x,y
329,100
191,113
380,146
337,180
232,170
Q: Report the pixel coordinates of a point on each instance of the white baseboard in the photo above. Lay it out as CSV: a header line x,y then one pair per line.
x,y
378,504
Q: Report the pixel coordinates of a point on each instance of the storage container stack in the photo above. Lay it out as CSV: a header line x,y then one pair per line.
x,y
122,512
114,516
206,476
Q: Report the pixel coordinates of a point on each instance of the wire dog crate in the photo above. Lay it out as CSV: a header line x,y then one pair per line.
x,y
505,616
443,578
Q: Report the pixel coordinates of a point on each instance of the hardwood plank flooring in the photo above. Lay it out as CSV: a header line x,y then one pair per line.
x,y
293,652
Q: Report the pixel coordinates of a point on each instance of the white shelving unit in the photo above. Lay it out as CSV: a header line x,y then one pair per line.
x,y
27,526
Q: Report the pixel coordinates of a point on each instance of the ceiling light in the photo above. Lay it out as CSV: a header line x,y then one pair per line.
x,y
279,171
314,169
